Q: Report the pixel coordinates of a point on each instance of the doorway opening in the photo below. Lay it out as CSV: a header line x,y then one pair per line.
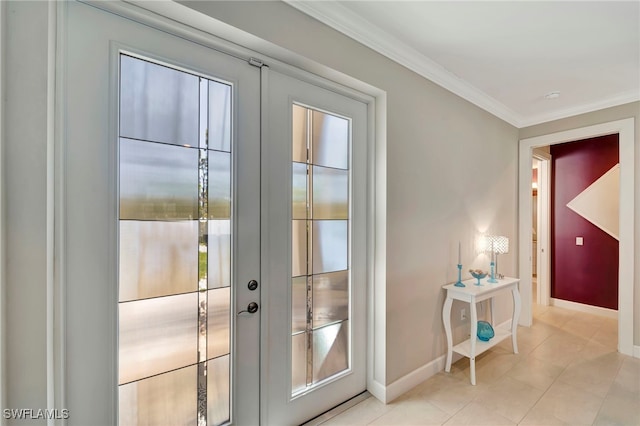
x,y
625,130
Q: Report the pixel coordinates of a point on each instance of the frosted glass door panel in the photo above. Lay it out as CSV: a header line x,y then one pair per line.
x,y
330,298
330,240
299,250
219,116
330,193
330,350
157,335
298,304
219,185
157,103
157,181
298,362
320,213
219,253
175,244
299,193
330,140
218,390
219,321
299,133
157,258
166,399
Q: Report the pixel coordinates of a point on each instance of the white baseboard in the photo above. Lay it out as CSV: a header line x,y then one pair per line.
x,y
413,379
417,376
636,351
377,389
594,310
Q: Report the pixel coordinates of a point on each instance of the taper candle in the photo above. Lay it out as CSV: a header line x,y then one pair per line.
x,y
459,259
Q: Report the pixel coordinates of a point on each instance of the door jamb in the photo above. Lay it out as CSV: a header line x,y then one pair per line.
x,y
543,262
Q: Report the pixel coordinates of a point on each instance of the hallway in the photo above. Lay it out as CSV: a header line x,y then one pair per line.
x,y
568,372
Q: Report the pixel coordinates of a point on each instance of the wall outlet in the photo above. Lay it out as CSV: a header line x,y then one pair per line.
x,y
463,314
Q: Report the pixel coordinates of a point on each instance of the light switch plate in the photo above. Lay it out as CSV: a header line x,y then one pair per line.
x,y
579,241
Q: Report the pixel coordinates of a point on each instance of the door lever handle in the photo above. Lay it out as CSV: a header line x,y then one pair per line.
x,y
252,308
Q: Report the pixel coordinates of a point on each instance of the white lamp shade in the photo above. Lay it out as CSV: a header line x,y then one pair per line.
x,y
499,243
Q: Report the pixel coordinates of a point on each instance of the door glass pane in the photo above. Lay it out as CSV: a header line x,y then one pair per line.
x,y
330,140
219,116
175,243
219,185
330,350
320,247
218,390
329,245
218,330
157,103
300,133
299,193
298,304
157,335
330,298
219,239
330,193
157,258
157,181
165,399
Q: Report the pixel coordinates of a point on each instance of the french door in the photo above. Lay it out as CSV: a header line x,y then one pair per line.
x,y
212,237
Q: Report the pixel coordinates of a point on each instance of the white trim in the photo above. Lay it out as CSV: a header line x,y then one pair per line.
x,y
636,351
414,378
581,307
3,332
544,227
626,130
352,25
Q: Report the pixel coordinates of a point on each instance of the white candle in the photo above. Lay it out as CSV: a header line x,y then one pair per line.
x,y
459,259
493,253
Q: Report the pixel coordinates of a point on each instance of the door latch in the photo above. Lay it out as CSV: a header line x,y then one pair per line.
x,y
252,308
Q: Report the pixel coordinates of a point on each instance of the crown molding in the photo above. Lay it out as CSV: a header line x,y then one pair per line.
x,y
352,25
344,20
620,99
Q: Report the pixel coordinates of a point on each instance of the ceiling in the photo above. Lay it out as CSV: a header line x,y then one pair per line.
x,y
505,56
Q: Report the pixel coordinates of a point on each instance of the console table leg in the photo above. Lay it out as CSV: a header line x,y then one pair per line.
x,y
446,320
516,317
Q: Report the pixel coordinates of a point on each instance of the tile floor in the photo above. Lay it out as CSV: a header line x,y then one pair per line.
x,y
567,373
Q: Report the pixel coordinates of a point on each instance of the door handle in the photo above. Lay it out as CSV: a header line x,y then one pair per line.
x,y
252,308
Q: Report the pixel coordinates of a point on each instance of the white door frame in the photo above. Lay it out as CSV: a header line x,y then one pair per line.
x,y
625,129
185,22
543,261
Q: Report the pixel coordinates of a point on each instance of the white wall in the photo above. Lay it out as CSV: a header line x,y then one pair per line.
x,y
451,171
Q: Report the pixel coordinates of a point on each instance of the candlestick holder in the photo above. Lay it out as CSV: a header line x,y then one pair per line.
x,y
459,283
493,274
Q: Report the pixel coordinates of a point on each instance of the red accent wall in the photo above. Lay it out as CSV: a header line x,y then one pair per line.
x,y
585,274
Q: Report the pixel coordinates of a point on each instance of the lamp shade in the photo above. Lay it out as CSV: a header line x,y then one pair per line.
x,y
499,243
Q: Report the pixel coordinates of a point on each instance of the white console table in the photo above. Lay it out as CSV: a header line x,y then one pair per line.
x,y
473,294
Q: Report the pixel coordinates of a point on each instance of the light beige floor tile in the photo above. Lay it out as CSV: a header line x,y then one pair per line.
x,y
413,412
560,349
595,375
584,326
556,317
538,417
606,338
361,414
536,373
454,397
477,415
594,350
628,377
566,404
510,398
620,407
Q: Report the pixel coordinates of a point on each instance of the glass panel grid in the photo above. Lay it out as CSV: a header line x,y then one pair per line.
x,y
175,164
320,247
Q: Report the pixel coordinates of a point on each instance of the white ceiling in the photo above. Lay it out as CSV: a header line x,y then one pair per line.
x,y
504,56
